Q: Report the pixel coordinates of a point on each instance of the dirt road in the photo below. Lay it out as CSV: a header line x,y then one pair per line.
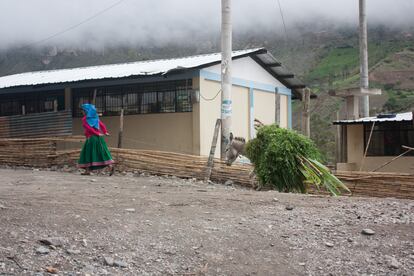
x,y
134,225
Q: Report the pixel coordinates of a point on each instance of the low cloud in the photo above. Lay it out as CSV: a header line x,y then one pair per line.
x,y
146,22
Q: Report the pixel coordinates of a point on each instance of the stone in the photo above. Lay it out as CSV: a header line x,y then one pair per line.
x,y
84,243
89,269
73,251
130,210
51,270
109,261
289,208
229,183
42,250
368,232
93,180
350,240
302,264
53,241
329,244
275,199
120,263
394,264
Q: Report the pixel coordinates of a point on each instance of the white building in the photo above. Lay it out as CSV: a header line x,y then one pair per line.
x,y
170,104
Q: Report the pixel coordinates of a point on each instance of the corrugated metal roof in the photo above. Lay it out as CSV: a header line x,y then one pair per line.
x,y
400,117
37,125
146,68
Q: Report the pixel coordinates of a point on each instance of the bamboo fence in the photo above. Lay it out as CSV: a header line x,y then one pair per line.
x,y
42,152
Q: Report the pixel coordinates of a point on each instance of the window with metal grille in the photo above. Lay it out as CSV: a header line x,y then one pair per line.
x,y
145,98
29,103
387,138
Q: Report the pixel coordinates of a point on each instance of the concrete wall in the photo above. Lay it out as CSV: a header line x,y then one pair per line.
x,y
264,107
210,112
252,84
355,144
168,132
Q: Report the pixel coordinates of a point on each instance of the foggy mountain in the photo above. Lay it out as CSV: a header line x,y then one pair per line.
x,y
94,23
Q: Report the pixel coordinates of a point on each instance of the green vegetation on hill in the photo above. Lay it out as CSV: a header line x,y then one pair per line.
x,y
391,69
340,64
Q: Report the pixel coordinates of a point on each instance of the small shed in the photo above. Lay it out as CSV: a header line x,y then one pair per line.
x,y
380,139
169,104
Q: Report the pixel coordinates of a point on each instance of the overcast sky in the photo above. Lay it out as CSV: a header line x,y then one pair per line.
x,y
144,21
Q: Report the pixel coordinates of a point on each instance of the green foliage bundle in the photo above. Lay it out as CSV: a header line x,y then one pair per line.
x,y
288,161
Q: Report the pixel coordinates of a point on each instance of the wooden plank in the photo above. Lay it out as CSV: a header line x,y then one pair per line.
x,y
210,161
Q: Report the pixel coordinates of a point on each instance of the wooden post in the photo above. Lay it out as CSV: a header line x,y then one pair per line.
x,y
23,110
68,98
94,96
367,147
338,142
210,161
120,133
55,105
277,108
306,112
121,128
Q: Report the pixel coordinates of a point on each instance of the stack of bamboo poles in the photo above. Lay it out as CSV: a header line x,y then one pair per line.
x,y
168,163
27,152
43,152
379,184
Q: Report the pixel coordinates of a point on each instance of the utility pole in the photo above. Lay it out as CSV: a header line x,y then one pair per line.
x,y
363,56
226,79
357,99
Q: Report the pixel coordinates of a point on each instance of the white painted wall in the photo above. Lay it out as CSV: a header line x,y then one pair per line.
x,y
247,69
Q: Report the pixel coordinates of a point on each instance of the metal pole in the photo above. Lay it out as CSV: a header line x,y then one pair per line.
x,y
226,83
363,56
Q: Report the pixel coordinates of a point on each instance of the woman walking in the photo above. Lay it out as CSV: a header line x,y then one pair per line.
x,y
95,153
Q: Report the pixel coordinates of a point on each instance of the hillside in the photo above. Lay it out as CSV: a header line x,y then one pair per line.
x,y
391,69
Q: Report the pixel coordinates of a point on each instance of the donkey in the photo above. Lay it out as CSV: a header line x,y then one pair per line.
x,y
237,145
234,149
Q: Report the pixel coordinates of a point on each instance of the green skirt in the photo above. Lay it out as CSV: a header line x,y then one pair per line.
x,y
95,154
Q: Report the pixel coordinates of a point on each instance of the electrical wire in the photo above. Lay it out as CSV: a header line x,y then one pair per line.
x,y
283,20
74,26
210,99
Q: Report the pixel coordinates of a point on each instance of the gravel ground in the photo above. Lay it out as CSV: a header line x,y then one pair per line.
x,y
141,225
